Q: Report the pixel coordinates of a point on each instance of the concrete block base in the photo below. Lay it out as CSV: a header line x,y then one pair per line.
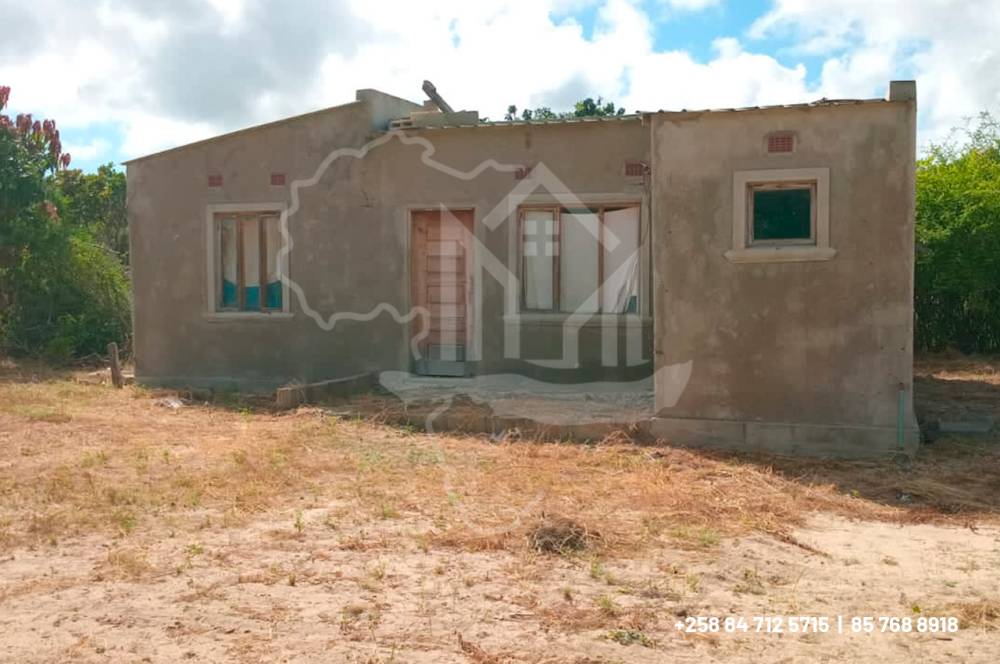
x,y
294,395
791,439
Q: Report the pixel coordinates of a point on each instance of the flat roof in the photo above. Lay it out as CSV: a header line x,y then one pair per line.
x,y
639,115
819,103
523,123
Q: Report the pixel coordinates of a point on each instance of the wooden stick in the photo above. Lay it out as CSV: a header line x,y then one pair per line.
x,y
116,371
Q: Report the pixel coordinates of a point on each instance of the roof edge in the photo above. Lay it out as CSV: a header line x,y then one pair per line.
x,y
528,123
819,103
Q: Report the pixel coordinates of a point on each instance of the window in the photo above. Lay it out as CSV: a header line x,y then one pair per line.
x,y
248,278
582,260
781,215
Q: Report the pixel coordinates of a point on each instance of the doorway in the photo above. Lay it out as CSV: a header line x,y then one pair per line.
x,y
441,289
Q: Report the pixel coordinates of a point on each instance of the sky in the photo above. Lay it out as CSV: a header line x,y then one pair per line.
x,y
125,78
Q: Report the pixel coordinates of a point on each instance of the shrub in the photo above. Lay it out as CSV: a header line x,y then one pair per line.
x,y
71,297
957,293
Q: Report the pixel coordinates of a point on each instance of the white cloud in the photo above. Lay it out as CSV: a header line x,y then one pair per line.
x,y
168,73
691,5
733,77
950,47
147,133
94,149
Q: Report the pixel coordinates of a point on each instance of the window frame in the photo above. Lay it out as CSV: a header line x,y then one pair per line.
x,y
746,250
557,209
241,218
242,211
754,187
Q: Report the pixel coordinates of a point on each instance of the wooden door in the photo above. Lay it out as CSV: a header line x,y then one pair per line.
x,y
440,281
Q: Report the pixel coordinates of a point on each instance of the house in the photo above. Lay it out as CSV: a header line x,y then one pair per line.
x,y
757,263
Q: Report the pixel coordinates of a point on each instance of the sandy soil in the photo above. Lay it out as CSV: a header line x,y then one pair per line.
x,y
329,591
133,531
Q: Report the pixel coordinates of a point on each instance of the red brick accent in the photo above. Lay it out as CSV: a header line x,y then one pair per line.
x,y
780,143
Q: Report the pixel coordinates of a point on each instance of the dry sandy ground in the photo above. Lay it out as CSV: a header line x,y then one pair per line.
x,y
132,532
270,593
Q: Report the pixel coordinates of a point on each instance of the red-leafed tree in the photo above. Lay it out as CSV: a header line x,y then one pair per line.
x,y
30,150
61,293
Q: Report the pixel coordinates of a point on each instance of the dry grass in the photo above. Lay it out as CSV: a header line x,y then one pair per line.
x,y
981,614
277,536
556,534
125,563
954,366
478,655
115,461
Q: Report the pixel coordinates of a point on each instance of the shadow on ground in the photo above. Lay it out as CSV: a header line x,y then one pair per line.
x,y
951,477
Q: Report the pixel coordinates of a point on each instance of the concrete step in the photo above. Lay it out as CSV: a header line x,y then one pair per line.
x,y
451,368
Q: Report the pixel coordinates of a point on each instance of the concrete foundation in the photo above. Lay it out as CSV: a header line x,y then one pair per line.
x,y
789,439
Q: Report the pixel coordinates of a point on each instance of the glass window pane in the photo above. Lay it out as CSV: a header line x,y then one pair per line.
x,y
272,234
539,247
251,263
620,291
782,214
578,263
228,270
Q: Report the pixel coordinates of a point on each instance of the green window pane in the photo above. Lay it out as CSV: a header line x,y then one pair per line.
x,y
782,214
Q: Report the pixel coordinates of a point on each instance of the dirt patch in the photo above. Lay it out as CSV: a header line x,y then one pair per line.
x,y
956,388
269,591
231,532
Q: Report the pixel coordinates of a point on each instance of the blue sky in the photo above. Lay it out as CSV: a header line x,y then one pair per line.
x,y
125,78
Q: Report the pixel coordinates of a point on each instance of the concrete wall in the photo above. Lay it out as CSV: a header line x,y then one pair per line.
x,y
177,340
787,356
586,159
350,251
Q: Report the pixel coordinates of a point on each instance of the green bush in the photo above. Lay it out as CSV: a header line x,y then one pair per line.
x,y
957,298
71,299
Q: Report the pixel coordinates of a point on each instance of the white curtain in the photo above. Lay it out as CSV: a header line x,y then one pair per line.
x,y
251,263
228,269
621,261
539,245
578,269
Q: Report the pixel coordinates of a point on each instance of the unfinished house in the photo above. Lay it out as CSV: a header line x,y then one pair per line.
x,y
754,266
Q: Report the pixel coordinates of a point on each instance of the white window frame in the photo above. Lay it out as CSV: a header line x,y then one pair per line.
x,y
746,250
556,314
213,265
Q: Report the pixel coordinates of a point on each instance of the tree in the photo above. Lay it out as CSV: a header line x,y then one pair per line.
x,y
584,108
29,150
62,293
957,293
95,202
588,108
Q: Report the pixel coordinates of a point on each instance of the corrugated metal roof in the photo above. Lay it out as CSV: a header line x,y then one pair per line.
x,y
811,104
529,123
824,102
